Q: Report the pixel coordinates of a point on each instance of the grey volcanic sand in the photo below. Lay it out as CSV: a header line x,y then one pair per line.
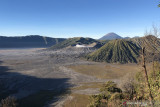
x,y
26,71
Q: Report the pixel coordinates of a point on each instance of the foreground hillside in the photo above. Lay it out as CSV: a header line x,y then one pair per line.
x,y
116,51
28,41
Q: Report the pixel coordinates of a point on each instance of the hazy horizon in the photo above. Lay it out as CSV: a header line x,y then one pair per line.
x,y
66,37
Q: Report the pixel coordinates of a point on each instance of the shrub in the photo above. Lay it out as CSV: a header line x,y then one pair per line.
x,y
128,85
110,86
8,102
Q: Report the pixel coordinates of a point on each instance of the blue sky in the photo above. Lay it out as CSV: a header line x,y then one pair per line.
x,y
71,18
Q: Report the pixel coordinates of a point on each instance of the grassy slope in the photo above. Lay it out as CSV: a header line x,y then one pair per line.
x,y
116,51
74,41
148,42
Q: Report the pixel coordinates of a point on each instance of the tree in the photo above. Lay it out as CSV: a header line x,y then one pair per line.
x,y
152,50
146,75
155,33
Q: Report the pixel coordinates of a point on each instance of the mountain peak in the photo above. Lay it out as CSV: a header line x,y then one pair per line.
x,y
110,36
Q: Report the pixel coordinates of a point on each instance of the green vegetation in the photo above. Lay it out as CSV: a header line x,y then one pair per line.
x,y
121,51
103,42
132,88
76,40
154,80
126,51
110,96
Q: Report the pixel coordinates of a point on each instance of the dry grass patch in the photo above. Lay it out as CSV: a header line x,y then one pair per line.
x,y
79,100
88,85
106,71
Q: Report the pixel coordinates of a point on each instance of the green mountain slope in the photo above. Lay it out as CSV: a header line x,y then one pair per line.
x,y
121,51
150,42
76,40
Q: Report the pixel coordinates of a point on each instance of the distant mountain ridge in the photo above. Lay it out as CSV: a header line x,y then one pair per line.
x,y
28,41
111,36
77,40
